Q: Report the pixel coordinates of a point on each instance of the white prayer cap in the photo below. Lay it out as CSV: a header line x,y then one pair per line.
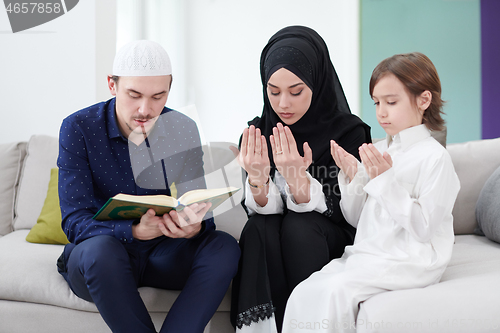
x,y
142,58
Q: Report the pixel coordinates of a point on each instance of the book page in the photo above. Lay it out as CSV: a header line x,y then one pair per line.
x,y
161,200
205,194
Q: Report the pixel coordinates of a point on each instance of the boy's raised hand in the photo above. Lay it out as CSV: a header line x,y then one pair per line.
x,y
345,161
184,224
375,163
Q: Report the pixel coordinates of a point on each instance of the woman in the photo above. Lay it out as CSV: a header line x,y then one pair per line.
x,y
295,225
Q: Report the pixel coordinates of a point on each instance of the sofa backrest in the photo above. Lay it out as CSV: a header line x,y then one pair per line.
x,y
222,170
474,162
41,156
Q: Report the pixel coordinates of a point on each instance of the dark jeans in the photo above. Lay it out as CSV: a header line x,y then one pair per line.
x,y
107,272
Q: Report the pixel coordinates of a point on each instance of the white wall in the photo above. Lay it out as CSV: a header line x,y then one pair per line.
x,y
215,48
57,68
50,71
224,42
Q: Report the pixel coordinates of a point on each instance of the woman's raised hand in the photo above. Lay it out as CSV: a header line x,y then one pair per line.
x,y
345,161
253,155
286,156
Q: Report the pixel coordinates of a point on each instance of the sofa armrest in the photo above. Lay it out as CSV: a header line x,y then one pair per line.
x,y
11,160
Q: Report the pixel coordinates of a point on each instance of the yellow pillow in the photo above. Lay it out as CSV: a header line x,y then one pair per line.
x,y
173,190
47,229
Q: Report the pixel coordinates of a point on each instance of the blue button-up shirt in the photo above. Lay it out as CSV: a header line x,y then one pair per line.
x,y
97,162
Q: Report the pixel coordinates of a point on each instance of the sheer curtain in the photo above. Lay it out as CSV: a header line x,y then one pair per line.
x,y
161,21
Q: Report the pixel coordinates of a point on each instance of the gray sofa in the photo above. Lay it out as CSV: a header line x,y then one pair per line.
x,y
35,298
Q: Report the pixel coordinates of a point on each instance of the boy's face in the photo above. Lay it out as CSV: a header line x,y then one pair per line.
x,y
139,101
396,110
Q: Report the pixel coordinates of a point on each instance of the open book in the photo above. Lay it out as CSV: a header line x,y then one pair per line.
x,y
129,207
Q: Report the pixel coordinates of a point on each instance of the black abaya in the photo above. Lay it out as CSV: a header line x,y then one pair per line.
x,y
281,250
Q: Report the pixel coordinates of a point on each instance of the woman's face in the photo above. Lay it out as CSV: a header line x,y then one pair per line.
x,y
289,96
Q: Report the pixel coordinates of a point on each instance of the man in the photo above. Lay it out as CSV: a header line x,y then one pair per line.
x,y
133,144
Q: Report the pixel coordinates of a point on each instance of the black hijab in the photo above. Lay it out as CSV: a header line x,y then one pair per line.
x,y
302,51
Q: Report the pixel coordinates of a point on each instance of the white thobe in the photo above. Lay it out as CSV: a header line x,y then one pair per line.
x,y
404,234
279,194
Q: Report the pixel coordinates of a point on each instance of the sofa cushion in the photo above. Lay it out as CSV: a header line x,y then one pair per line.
x,y
11,156
488,208
28,273
464,301
47,229
40,318
41,156
474,162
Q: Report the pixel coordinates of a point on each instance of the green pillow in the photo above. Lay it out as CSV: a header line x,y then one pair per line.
x,y
47,229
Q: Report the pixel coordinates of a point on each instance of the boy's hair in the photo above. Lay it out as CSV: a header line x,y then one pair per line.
x,y
417,73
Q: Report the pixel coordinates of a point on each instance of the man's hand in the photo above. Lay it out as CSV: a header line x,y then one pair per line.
x,y
152,226
185,224
147,228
